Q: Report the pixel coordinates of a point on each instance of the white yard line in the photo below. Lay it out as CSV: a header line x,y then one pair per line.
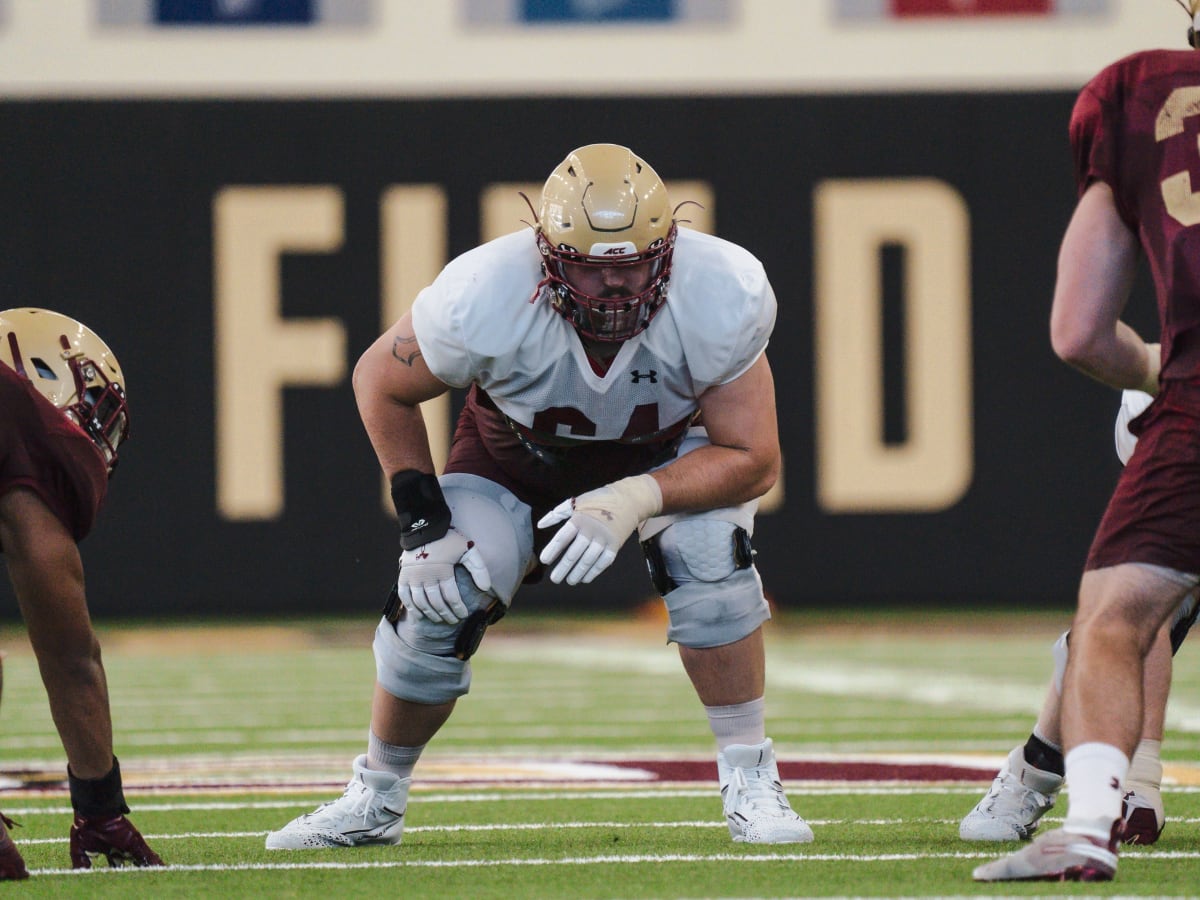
x,y
607,860
303,801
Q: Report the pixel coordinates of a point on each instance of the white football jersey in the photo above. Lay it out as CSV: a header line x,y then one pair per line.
x,y
481,322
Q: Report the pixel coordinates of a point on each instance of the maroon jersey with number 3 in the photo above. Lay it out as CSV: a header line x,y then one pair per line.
x,y
1136,127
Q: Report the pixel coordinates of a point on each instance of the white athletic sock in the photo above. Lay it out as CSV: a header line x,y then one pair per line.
x,y
385,757
1095,775
741,723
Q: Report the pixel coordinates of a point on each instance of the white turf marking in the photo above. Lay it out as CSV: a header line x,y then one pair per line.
x,y
859,679
652,859
303,803
513,826
543,826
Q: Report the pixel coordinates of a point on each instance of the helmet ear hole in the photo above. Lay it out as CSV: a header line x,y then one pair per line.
x,y
42,369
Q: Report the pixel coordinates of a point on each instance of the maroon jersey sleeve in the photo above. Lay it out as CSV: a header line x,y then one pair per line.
x,y
1091,150
43,451
1136,126
1096,136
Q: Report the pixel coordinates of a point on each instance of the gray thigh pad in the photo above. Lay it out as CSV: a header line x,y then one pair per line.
x,y
715,602
497,522
414,660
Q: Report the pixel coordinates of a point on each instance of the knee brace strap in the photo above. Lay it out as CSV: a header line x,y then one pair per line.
x,y
656,563
471,629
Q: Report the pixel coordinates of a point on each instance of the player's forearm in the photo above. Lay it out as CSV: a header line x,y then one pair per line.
x,y
1119,358
397,433
715,476
390,382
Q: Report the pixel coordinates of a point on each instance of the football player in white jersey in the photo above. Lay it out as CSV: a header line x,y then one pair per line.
x,y
1031,778
617,382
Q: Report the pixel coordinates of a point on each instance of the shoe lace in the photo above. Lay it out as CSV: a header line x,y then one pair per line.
x,y
358,801
757,789
366,803
1008,794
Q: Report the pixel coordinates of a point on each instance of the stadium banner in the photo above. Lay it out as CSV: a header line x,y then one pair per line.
x,y
590,12
225,13
240,255
961,9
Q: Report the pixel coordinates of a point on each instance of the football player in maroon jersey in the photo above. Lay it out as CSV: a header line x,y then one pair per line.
x,y
62,419
1032,776
1134,135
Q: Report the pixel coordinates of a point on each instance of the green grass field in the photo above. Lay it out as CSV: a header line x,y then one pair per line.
x,y
227,732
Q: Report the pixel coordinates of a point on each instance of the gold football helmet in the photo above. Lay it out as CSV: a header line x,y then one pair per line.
x,y
606,233
71,367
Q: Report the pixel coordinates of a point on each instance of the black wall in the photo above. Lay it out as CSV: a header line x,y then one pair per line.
x,y
106,214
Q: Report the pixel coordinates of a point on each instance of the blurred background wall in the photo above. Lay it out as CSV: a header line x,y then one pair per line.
x,y
239,195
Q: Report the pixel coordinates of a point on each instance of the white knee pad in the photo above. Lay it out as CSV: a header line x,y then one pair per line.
x,y
424,661
409,665
705,571
741,515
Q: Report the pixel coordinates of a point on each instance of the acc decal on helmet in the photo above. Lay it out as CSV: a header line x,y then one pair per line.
x,y
70,366
604,209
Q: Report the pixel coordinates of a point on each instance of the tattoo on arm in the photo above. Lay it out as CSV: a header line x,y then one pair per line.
x,y
405,349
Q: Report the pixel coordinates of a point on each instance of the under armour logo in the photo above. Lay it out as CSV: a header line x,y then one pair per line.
x,y
417,525
651,376
607,513
422,553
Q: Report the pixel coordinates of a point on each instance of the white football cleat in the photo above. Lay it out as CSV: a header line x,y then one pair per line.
x,y
371,811
1057,855
1019,796
755,806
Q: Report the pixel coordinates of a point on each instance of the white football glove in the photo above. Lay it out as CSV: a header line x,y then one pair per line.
x,y
1133,404
597,524
426,583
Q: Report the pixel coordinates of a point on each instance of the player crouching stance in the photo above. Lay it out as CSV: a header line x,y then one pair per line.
x,y
64,416
585,382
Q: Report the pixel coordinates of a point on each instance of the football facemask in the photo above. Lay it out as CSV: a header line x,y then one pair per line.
x,y
607,236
